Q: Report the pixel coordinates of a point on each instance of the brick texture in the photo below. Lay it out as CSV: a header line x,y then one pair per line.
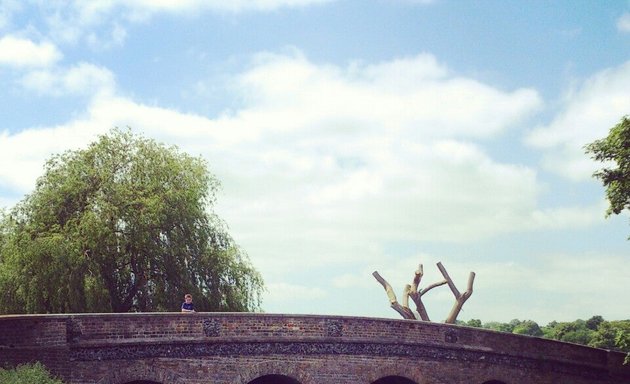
x,y
240,348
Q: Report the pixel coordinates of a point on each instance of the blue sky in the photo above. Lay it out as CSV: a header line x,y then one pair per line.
x,y
353,136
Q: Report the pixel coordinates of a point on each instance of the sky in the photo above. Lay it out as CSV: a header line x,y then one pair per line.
x,y
355,136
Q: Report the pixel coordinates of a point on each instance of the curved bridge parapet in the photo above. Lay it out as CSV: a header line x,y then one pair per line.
x,y
247,348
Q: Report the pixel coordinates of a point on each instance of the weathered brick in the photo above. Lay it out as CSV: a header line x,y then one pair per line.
x,y
238,348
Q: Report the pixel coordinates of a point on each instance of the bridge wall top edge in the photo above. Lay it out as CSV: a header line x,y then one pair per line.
x,y
197,316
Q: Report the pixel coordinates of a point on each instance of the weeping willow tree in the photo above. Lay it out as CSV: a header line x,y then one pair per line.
x,y
124,225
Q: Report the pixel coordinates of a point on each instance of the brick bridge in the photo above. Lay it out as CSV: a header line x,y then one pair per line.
x,y
246,348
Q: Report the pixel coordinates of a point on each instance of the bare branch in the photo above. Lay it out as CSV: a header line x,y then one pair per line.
x,y
431,286
417,278
405,296
451,285
406,313
469,287
388,288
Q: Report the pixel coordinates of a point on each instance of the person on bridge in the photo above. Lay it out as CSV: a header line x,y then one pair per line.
x,y
187,305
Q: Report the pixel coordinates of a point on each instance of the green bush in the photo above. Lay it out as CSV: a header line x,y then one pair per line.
x,y
27,374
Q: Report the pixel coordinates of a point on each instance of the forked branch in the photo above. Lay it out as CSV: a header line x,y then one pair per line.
x,y
460,298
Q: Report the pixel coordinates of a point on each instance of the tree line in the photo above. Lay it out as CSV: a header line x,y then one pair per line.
x,y
594,332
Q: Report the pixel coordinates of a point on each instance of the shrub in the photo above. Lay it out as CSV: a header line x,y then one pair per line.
x,y
28,374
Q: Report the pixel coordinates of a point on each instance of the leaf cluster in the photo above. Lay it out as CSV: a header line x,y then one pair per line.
x,y
614,152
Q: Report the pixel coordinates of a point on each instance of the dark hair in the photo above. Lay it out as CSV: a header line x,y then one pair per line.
x,y
187,296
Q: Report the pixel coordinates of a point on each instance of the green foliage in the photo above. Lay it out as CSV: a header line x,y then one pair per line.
x,y
27,374
528,327
124,225
594,322
474,323
614,150
571,332
594,332
497,326
614,335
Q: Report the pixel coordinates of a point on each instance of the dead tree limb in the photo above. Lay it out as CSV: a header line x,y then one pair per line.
x,y
460,298
416,294
417,278
405,312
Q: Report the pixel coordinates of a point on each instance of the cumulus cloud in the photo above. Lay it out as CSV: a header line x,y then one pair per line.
x,y
82,79
413,95
20,52
589,112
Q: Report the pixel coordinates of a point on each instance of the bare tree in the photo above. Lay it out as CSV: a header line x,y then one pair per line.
x,y
413,290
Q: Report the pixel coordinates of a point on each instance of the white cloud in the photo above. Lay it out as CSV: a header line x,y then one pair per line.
x,y
588,114
412,95
623,22
83,79
19,52
25,152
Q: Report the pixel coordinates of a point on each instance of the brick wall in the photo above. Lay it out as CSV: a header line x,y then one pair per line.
x,y
238,348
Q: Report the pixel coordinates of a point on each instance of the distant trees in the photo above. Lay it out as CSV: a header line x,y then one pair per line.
x,y
124,225
614,150
528,327
594,332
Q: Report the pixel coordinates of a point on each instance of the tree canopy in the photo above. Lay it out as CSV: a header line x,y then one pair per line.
x,y
124,225
614,150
